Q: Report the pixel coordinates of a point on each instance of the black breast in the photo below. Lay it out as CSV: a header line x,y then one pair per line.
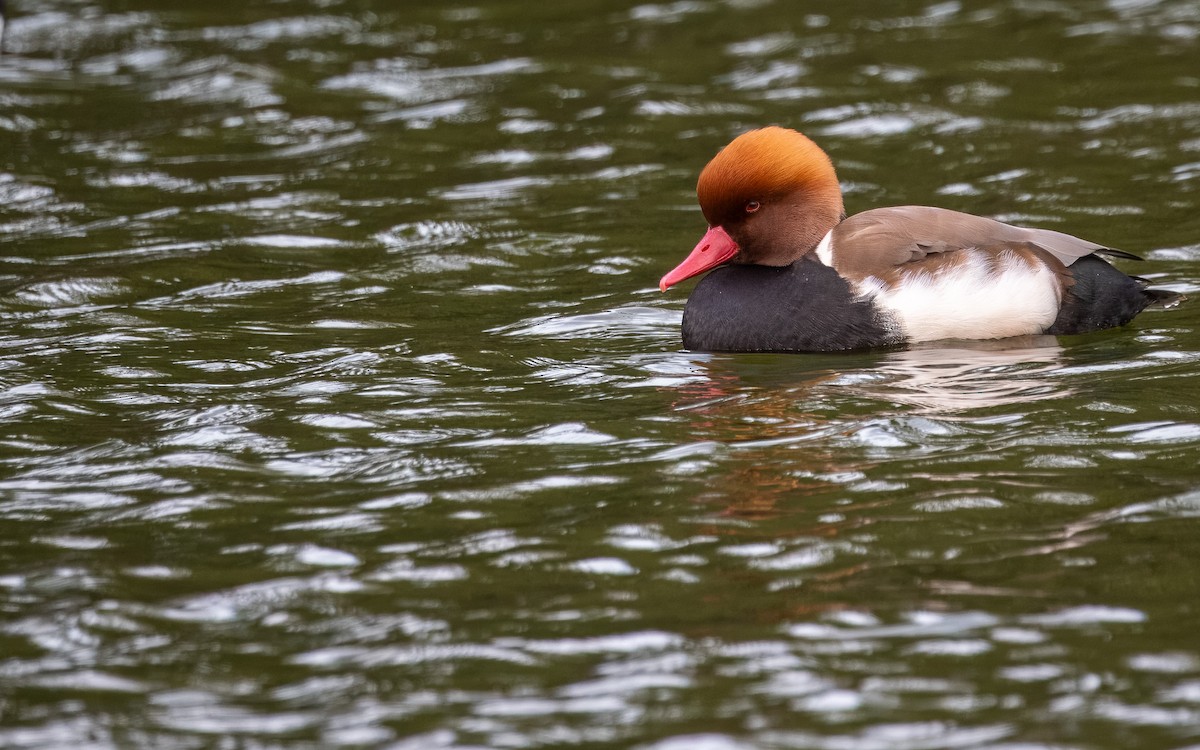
x,y
804,307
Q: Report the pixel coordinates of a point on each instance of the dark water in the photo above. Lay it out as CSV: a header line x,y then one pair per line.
x,y
340,407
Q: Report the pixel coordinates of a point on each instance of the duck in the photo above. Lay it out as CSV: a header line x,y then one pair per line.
x,y
789,271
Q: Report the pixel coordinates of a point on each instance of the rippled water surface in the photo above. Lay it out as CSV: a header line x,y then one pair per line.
x,y
340,407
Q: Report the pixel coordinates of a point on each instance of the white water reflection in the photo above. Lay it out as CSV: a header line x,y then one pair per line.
x,y
948,377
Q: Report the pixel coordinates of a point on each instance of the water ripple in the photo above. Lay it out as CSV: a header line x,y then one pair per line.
x,y
341,409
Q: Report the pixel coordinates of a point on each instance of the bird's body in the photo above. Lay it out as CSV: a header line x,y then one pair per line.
x,y
792,274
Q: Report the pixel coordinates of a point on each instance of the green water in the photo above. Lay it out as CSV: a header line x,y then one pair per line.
x,y
341,409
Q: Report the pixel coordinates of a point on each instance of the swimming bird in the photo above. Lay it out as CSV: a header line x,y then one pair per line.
x,y
789,272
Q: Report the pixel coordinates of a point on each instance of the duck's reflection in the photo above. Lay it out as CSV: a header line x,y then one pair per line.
x,y
794,421
819,466
947,377
950,377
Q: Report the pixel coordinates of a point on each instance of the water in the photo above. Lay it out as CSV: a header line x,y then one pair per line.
x,y
341,408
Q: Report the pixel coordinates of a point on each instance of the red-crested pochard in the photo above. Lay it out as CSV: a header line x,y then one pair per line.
x,y
794,274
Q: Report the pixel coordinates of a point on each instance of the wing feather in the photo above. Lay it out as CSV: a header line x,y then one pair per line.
x,y
881,239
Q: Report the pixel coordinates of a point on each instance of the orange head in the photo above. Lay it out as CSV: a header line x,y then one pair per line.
x,y
769,197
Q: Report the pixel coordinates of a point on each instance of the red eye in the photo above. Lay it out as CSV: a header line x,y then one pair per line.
x,y
752,206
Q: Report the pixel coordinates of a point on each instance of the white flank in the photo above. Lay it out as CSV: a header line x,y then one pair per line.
x,y
971,300
824,249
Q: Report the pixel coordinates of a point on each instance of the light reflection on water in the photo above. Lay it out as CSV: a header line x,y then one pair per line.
x,y
341,409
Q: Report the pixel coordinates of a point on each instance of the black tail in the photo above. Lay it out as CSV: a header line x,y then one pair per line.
x,y
1163,298
1100,296
1158,297
3,24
